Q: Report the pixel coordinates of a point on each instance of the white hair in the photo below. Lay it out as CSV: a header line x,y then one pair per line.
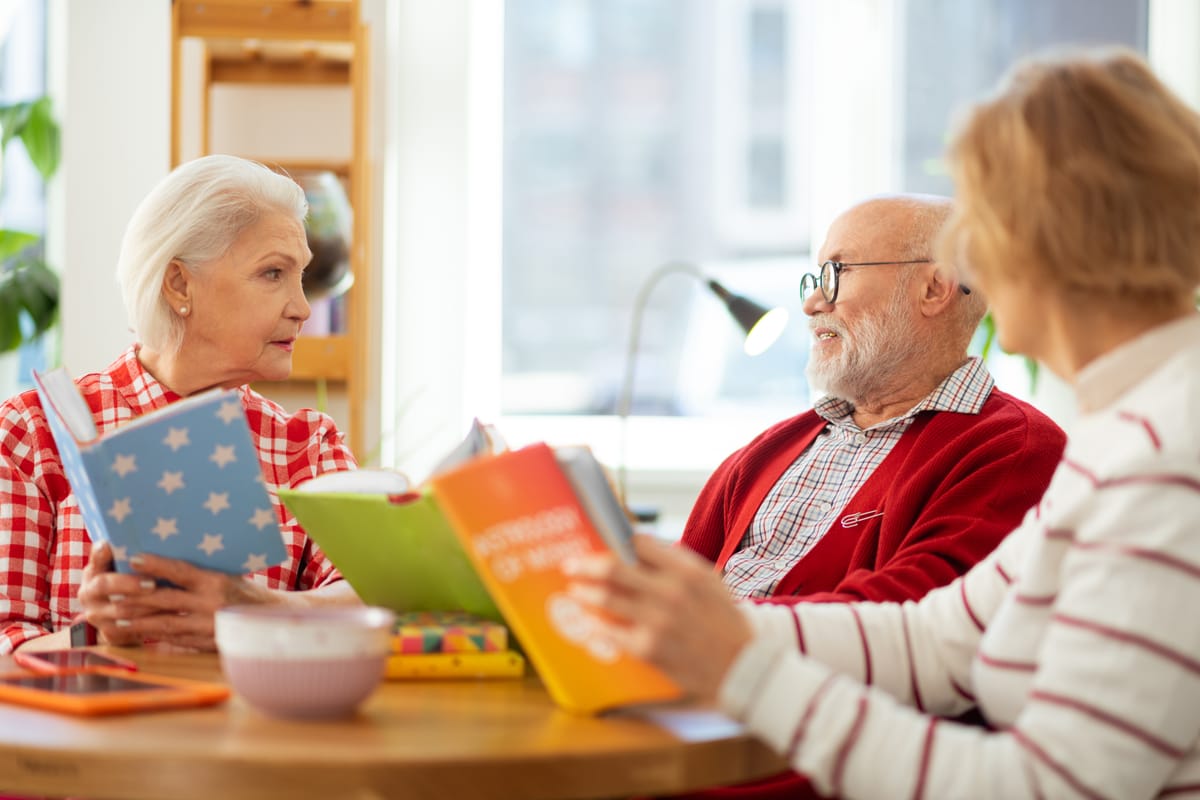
x,y
193,216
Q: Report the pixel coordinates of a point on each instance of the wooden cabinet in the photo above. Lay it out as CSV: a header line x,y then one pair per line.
x,y
281,49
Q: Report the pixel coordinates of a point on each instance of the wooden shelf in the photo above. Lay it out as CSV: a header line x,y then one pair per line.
x,y
318,20
322,357
280,73
301,44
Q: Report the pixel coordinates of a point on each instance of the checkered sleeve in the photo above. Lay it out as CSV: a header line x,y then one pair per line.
x,y
325,451
27,521
294,449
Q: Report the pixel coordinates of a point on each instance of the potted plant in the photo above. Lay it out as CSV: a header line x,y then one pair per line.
x,y
29,289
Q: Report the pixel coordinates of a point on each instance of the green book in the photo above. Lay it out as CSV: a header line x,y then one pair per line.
x,y
396,549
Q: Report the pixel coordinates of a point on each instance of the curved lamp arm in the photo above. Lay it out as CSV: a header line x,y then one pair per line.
x,y
762,327
625,400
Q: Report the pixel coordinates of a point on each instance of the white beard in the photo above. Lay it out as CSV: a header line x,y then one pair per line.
x,y
870,358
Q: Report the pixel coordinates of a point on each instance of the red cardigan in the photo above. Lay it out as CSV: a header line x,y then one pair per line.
x,y
952,488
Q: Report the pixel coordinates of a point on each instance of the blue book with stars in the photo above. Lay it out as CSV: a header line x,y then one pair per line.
x,y
182,482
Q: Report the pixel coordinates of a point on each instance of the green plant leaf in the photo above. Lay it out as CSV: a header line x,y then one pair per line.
x,y
29,289
1032,368
13,242
988,326
37,292
989,334
40,136
13,118
10,320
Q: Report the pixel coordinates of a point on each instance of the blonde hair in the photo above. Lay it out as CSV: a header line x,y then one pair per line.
x,y
1082,171
193,216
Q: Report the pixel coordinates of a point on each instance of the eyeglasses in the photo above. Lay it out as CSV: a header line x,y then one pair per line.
x,y
829,276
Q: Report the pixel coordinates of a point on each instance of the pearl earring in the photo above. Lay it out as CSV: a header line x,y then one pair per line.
x,y
183,310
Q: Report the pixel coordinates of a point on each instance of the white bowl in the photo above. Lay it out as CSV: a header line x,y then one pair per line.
x,y
304,663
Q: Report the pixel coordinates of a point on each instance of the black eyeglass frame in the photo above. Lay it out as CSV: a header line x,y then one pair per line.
x,y
809,281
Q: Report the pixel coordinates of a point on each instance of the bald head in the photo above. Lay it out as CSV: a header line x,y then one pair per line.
x,y
901,226
904,227
899,323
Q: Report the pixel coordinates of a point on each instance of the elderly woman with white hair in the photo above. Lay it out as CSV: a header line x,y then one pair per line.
x,y
210,269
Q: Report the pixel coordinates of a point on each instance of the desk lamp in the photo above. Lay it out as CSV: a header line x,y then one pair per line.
x,y
762,327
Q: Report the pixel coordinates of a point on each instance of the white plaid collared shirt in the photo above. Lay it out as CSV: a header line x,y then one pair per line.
x,y
812,493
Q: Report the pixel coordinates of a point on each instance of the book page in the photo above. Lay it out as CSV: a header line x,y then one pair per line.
x,y
68,403
596,495
181,406
358,481
480,440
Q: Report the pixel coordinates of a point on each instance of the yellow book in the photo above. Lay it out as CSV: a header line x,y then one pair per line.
x,y
436,666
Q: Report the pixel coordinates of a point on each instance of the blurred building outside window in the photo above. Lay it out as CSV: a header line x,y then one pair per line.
x,y
727,133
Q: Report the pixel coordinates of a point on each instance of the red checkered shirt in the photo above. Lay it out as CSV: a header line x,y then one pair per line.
x,y
43,543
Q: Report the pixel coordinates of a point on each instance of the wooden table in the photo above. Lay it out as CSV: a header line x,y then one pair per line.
x,y
449,739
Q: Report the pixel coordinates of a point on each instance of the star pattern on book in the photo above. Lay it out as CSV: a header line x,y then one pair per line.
x,y
176,438
124,464
165,528
217,502
262,518
147,487
222,455
255,562
120,509
171,481
211,544
230,411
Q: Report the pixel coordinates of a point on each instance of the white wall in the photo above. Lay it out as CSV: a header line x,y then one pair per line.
x,y
109,68
428,233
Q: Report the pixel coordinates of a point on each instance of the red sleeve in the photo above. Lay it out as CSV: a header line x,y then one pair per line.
x,y
324,450
27,521
705,528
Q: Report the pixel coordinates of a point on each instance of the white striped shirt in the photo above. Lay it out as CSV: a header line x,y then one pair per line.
x,y
1079,637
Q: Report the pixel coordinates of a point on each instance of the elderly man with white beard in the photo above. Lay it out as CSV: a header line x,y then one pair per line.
x,y
912,466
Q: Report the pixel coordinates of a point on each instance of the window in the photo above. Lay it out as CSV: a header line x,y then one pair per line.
x,y
22,194
604,138
726,134
638,133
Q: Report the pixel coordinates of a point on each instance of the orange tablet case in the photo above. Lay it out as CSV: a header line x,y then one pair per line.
x,y
107,690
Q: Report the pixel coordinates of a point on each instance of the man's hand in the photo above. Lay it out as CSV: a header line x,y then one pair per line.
x,y
669,609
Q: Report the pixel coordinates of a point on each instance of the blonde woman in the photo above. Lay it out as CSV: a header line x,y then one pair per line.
x,y
1078,216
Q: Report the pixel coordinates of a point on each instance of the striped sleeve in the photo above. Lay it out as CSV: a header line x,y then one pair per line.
x,y
1115,701
918,652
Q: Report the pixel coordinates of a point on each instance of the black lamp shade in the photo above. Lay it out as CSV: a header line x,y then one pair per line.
x,y
761,325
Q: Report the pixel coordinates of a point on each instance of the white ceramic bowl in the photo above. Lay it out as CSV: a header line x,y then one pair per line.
x,y
312,663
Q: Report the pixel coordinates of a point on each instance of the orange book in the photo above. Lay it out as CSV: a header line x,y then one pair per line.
x,y
518,517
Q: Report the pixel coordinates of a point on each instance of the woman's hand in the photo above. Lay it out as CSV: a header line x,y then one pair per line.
x,y
670,609
131,609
